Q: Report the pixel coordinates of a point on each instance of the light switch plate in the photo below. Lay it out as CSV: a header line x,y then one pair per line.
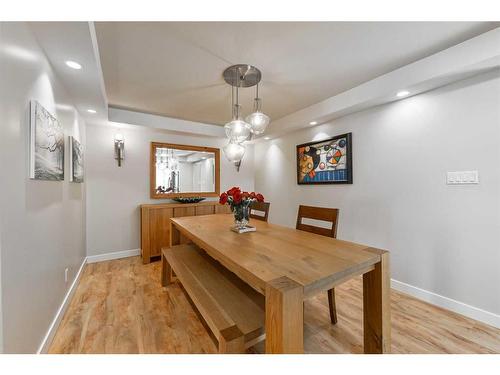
x,y
462,177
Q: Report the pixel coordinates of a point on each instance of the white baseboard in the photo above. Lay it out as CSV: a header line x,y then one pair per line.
x,y
47,340
448,303
114,255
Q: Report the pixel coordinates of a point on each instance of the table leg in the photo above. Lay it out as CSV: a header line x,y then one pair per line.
x,y
284,316
377,308
175,235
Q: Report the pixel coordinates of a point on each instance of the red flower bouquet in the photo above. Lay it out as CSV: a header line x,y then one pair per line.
x,y
240,202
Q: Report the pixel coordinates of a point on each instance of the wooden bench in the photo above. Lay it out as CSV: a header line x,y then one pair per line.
x,y
233,311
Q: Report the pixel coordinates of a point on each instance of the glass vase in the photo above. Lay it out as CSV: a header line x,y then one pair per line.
x,y
241,215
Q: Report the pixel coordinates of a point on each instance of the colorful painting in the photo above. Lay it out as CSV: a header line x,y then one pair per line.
x,y
325,162
76,161
47,145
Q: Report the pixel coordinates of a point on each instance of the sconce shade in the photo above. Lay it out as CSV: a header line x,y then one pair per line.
x,y
119,137
234,152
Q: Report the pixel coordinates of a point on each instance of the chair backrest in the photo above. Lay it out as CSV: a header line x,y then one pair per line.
x,y
318,213
261,207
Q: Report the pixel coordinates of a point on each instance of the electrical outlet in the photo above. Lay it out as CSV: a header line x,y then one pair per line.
x,y
462,177
66,275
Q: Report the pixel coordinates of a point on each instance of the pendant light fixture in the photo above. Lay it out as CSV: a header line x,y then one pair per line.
x,y
238,130
234,151
258,121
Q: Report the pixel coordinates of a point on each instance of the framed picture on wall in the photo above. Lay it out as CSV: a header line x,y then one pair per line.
x,y
75,160
325,162
46,145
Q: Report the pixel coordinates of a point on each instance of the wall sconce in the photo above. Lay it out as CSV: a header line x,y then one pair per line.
x,y
119,148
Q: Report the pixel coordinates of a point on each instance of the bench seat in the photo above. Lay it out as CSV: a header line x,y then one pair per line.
x,y
233,311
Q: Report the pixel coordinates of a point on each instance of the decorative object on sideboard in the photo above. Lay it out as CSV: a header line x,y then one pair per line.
x,y
325,162
46,145
75,160
188,199
119,148
240,202
238,130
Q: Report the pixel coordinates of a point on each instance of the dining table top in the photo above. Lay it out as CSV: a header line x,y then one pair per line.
x,y
273,251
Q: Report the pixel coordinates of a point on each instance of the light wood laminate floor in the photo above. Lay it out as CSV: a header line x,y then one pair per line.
x,y
120,307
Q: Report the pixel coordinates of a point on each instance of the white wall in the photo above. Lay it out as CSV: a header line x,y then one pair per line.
x,y
444,239
115,193
41,222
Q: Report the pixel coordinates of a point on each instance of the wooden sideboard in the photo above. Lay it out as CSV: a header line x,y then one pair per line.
x,y
155,223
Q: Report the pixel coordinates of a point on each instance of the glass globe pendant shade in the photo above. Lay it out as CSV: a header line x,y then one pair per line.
x,y
258,122
237,130
234,152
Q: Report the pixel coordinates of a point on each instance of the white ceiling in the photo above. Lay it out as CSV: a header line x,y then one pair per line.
x,y
62,41
175,68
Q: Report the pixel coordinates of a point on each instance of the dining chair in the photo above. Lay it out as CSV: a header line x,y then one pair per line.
x,y
329,215
262,207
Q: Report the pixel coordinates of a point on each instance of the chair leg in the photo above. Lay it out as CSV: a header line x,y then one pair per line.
x,y
331,304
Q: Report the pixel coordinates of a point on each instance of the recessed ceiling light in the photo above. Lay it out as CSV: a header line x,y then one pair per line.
x,y
267,138
91,111
402,93
313,123
73,64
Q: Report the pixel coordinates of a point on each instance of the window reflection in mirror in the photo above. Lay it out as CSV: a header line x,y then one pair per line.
x,y
184,171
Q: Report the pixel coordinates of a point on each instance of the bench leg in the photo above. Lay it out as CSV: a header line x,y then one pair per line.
x,y
166,271
232,341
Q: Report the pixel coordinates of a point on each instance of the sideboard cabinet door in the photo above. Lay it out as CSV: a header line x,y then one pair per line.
x,y
222,209
184,211
204,210
159,229
155,223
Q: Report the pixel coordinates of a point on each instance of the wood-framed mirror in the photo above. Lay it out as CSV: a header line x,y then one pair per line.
x,y
184,171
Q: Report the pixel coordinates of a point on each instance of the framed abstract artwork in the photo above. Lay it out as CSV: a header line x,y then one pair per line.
x,y
46,145
75,160
325,162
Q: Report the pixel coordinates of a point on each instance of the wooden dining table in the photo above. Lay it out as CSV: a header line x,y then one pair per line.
x,y
289,266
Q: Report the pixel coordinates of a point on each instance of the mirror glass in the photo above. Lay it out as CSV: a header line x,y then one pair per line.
x,y
184,171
